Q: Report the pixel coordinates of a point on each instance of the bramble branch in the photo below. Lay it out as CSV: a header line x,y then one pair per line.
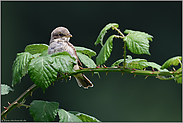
x,y
158,74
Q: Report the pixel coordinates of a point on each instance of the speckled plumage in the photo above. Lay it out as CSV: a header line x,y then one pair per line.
x,y
59,42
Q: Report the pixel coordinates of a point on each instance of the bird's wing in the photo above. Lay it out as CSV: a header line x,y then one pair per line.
x,y
79,62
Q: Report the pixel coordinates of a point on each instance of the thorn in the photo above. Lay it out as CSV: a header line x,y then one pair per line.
x,y
98,67
106,73
105,66
5,107
31,94
23,101
153,69
158,76
18,105
152,73
69,78
81,68
132,71
144,69
122,73
9,103
174,69
134,75
146,76
29,89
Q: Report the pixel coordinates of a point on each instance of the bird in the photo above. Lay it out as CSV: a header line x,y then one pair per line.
x,y
59,42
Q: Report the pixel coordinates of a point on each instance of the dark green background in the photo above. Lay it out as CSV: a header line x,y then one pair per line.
x,y
113,97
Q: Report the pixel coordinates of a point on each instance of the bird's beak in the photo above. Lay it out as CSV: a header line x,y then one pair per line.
x,y
69,35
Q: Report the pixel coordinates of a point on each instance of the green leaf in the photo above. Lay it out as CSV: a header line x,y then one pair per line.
x,y
63,62
84,117
172,61
116,63
134,63
130,63
85,51
20,66
138,42
150,64
153,65
86,60
36,48
44,53
41,71
5,89
178,78
104,31
105,52
65,116
43,111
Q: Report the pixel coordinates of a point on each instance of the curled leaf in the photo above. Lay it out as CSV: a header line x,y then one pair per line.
x,y
172,61
104,31
117,62
105,52
153,65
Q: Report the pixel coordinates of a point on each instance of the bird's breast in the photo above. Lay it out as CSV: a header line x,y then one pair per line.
x,y
60,47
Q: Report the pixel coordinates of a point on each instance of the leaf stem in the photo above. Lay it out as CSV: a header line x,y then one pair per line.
x,y
124,63
118,31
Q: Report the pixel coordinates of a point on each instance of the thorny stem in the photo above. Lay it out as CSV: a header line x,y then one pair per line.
x,y
18,100
124,63
158,74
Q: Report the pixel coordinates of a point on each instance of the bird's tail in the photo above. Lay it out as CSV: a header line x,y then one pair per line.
x,y
83,81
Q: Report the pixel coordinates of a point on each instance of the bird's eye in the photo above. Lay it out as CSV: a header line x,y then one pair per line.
x,y
61,34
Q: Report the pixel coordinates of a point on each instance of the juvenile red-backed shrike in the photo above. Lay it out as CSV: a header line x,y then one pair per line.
x,y
59,42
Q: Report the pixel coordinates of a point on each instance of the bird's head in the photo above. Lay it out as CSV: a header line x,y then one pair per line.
x,y
60,34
